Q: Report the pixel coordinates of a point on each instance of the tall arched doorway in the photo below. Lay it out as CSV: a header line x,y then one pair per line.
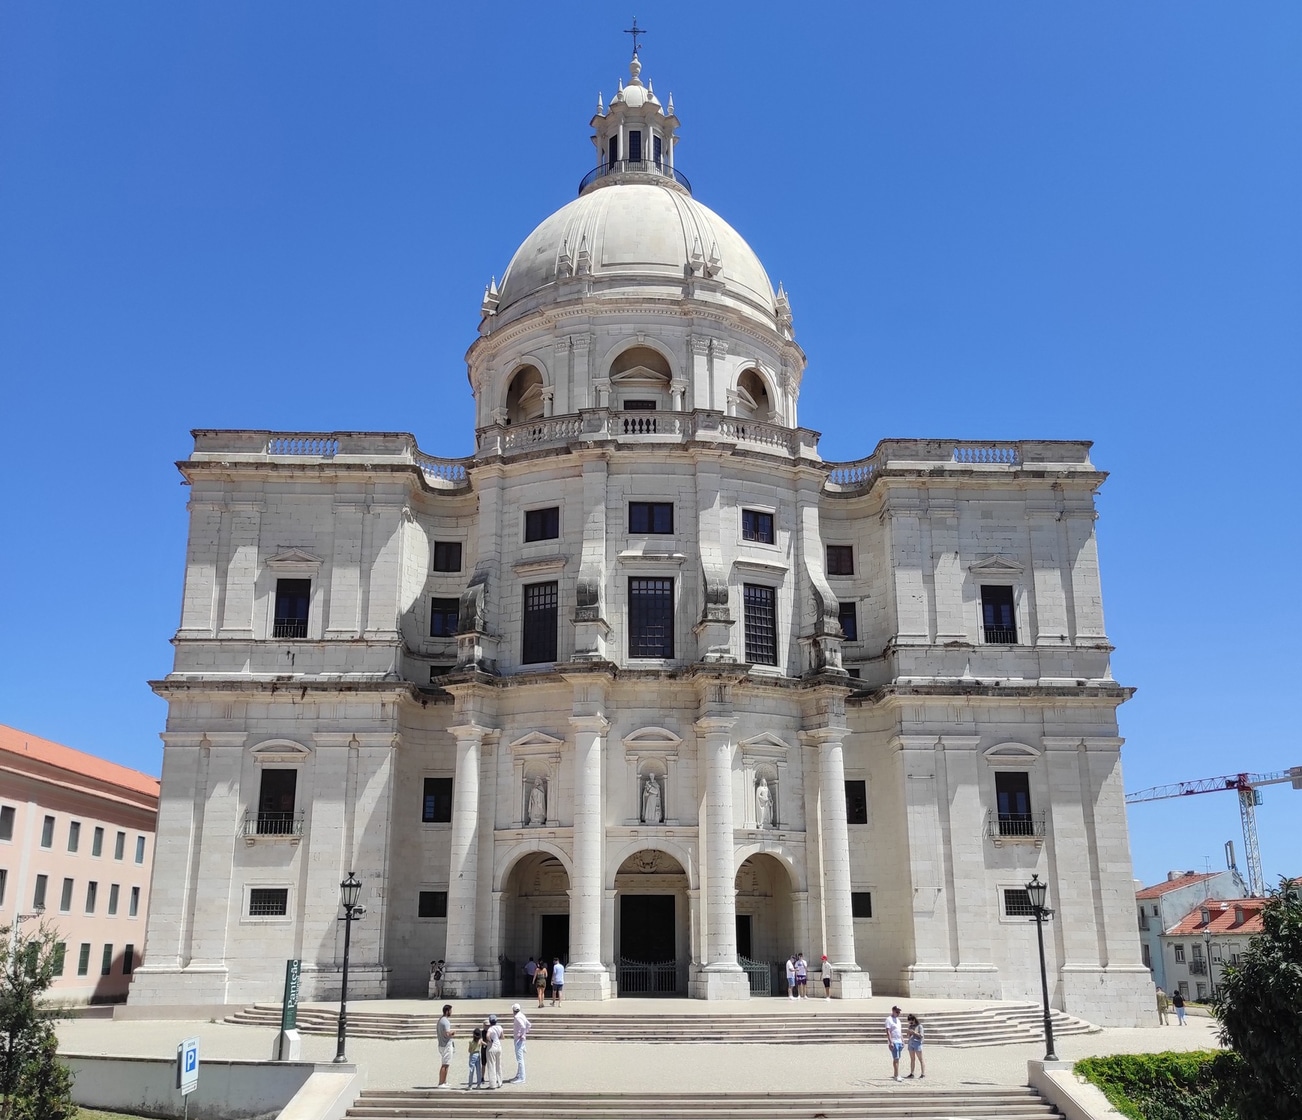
x,y
535,917
765,928
651,946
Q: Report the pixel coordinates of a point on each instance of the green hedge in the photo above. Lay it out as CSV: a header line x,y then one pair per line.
x,y
1170,1086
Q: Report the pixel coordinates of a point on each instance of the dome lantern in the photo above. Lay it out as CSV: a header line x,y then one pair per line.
x,y
634,138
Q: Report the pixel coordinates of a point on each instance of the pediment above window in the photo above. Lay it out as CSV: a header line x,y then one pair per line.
x,y
295,558
657,741
1012,752
537,744
995,566
766,745
640,375
280,752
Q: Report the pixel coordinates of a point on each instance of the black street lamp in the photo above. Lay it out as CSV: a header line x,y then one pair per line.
x,y
349,891
1037,891
1207,940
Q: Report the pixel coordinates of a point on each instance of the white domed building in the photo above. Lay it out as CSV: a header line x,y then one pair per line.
x,y
643,684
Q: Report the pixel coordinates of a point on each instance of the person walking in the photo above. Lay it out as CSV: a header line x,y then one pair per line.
x,y
791,976
493,1074
522,1026
476,1078
1163,1007
444,1036
895,1041
826,968
530,968
540,981
558,980
1177,1001
915,1047
802,977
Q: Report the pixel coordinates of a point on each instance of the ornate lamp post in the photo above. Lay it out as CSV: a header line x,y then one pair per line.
x,y
1037,891
349,891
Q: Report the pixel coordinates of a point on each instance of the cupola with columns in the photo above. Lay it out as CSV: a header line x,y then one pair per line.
x,y
635,137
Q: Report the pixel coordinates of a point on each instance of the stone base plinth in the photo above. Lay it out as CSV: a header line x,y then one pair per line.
x,y
849,983
720,983
943,981
1110,997
470,983
586,983
163,987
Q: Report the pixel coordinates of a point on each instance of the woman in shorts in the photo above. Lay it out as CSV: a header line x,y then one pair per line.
x,y
540,981
915,1047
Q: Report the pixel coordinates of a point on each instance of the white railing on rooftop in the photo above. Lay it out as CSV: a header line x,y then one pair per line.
x,y
317,447
445,470
1006,453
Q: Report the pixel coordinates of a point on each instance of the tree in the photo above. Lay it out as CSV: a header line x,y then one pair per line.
x,y
1259,1004
33,1084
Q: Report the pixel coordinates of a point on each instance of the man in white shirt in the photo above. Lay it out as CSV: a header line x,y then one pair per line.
x,y
558,980
895,1040
445,1035
522,1026
791,976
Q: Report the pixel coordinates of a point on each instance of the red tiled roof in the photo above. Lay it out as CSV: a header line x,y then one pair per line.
x,y
1173,884
22,743
1224,914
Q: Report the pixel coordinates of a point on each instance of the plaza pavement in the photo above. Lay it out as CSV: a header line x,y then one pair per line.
x,y
637,1067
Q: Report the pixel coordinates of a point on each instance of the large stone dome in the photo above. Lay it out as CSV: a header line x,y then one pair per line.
x,y
648,238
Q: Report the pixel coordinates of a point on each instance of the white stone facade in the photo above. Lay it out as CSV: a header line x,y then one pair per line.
x,y
379,621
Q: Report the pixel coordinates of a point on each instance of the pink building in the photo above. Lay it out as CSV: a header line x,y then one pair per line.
x,y
77,849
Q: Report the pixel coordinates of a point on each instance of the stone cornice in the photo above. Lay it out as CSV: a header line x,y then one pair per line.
x,y
1081,694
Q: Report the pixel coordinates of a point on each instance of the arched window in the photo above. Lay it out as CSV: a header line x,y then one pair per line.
x,y
639,379
753,401
524,399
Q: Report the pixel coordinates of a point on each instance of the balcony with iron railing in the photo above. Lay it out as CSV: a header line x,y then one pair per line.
x,y
635,171
289,628
1197,966
1015,827
999,635
282,824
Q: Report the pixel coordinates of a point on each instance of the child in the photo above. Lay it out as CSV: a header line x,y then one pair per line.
x,y
476,1063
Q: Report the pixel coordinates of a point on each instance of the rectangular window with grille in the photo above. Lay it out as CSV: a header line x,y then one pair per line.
x,y
268,902
1017,903
290,617
436,801
651,517
650,617
447,556
840,560
856,802
849,620
861,904
998,622
542,524
432,904
540,619
443,618
756,526
761,624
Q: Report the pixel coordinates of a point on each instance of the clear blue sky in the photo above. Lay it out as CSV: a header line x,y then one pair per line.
x,y
994,220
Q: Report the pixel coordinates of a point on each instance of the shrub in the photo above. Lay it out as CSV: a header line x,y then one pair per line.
x,y
33,1085
1169,1086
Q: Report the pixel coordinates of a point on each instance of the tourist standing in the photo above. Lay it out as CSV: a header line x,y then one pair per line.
x,y
826,969
522,1026
1163,1007
915,1047
1177,1001
529,970
445,1034
493,1074
802,977
791,976
895,1041
436,975
558,980
540,981
476,1077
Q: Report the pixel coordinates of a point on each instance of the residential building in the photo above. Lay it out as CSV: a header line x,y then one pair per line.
x,y
643,683
1213,934
76,854
1161,906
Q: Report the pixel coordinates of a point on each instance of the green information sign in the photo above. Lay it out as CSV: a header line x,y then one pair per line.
x,y
289,1008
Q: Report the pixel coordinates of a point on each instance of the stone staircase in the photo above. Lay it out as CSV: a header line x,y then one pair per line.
x,y
895,1102
993,1025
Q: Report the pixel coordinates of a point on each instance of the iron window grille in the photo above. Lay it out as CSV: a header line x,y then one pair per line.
x,y
1028,826
540,623
1017,903
650,617
756,526
274,822
268,902
761,624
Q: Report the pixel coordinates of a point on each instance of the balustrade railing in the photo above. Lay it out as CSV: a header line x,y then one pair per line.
x,y
289,628
755,431
536,433
853,475
316,447
636,167
445,470
277,823
1005,453
1026,826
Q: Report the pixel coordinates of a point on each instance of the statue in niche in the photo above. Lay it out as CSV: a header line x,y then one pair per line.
x,y
763,805
537,803
652,806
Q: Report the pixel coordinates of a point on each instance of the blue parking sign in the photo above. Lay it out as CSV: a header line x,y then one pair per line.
x,y
187,1066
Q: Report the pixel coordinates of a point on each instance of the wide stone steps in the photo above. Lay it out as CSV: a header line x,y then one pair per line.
x,y
994,1025
897,1102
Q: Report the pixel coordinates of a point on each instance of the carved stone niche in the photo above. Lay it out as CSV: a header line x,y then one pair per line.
x,y
536,760
764,770
650,758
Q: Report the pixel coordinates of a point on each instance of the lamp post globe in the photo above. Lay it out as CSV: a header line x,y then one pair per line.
x,y
350,891
1037,892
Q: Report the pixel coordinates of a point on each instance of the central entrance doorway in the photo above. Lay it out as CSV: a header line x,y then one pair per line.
x,y
651,933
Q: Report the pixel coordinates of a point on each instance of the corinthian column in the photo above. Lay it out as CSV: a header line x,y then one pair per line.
x,y
586,977
462,975
722,976
848,979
